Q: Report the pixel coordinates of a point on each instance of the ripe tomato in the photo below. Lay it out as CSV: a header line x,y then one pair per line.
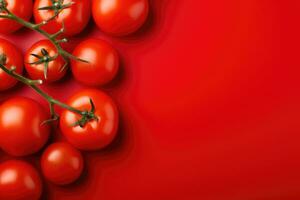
x,y
55,70
13,58
96,134
21,129
120,17
21,8
19,181
102,66
75,17
61,163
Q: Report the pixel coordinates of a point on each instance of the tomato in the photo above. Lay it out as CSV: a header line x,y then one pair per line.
x,y
61,163
19,181
13,57
102,66
96,134
55,69
21,129
120,17
21,8
74,17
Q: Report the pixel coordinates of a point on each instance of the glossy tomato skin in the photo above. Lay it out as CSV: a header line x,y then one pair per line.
x,y
120,17
21,8
75,18
96,134
56,69
19,181
14,57
102,66
61,163
21,130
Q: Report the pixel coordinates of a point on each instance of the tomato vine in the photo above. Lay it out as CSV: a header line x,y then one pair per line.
x,y
86,115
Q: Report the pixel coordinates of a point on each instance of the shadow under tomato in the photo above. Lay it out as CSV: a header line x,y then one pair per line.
x,y
5,94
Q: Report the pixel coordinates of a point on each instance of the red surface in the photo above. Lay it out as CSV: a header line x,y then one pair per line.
x,y
209,97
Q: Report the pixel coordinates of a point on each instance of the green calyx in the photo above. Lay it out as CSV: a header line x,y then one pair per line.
x,y
57,6
3,5
87,116
44,58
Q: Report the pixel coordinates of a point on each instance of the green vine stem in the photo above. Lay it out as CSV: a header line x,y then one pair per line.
x,y
58,7
86,115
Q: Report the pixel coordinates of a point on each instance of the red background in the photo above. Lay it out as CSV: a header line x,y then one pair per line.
x,y
209,98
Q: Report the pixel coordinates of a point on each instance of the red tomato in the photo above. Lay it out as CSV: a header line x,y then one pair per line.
x,y
21,129
55,69
21,8
75,17
61,163
19,181
13,58
102,66
120,17
96,134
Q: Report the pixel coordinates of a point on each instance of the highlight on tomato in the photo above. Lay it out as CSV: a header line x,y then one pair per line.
x,y
19,181
21,8
73,15
42,62
11,57
94,134
61,163
22,131
102,62
120,17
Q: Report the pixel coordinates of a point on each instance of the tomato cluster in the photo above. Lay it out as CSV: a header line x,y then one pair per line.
x,y
89,120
